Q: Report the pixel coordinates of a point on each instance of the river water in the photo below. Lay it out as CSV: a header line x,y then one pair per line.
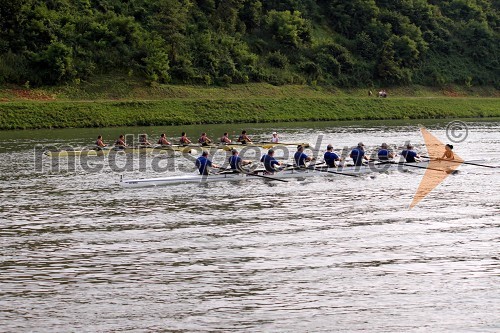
x,y
334,254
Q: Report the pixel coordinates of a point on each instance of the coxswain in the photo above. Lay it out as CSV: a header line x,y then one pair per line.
x,y
270,162
275,138
204,140
120,143
448,153
163,140
331,157
143,140
236,162
300,158
243,138
409,154
358,154
225,138
99,143
203,163
384,154
184,139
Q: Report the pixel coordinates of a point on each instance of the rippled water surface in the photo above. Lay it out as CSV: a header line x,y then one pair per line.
x,y
79,253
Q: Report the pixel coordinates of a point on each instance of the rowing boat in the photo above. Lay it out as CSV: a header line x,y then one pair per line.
x,y
190,148
196,178
136,150
264,145
287,173
186,149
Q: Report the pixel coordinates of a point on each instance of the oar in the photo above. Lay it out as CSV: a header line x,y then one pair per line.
x,y
256,175
293,166
419,167
267,177
312,167
336,172
470,163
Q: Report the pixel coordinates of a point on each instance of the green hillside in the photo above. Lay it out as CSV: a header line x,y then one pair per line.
x,y
356,43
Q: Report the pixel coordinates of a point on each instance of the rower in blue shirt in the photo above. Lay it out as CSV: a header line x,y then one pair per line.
x,y
300,158
203,163
235,161
270,162
358,154
409,154
330,157
384,154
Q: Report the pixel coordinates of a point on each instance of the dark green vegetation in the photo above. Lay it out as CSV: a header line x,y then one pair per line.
x,y
344,43
27,115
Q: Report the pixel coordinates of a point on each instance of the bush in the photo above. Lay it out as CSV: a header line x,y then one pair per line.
x,y
277,60
288,28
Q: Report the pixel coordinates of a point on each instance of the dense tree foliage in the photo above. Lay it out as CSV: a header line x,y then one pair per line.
x,y
335,42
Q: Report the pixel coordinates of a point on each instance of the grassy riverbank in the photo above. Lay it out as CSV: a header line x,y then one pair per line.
x,y
177,105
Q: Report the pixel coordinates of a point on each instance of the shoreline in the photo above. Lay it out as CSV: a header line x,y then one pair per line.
x,y
20,115
112,101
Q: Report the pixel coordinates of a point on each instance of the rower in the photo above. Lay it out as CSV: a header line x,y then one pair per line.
x,y
120,143
409,154
358,154
143,140
235,162
331,157
270,162
384,154
99,143
448,153
184,139
225,138
243,138
204,140
300,158
163,140
202,163
275,138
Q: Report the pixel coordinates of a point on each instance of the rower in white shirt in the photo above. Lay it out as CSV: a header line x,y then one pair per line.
x,y
275,138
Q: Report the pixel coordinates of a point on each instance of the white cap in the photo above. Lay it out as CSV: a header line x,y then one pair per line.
x,y
274,133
